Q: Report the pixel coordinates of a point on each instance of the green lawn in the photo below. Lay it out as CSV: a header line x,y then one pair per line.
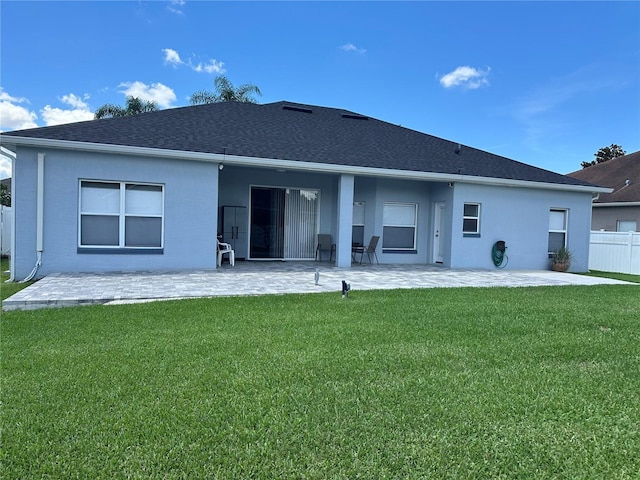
x,y
441,383
8,289
627,277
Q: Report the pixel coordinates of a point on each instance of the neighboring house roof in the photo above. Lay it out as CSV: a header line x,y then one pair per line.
x,y
293,132
622,174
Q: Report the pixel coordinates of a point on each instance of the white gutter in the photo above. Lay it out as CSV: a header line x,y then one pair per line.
x,y
40,204
227,159
12,258
39,218
617,204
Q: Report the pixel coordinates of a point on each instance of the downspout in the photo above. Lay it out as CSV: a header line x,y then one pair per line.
x,y
12,258
39,218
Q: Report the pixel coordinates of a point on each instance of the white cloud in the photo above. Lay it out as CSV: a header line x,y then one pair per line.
x,y
5,167
6,158
14,116
5,97
57,116
172,57
212,67
76,102
79,112
466,77
156,92
176,6
350,47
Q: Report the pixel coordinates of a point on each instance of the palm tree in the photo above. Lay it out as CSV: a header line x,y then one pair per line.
x,y
225,92
133,106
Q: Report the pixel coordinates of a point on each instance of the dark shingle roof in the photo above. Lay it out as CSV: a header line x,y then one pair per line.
x,y
289,131
614,174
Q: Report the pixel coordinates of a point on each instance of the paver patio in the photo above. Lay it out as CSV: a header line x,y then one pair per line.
x,y
262,278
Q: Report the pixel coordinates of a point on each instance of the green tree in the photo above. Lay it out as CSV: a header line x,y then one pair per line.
x,y
133,106
605,154
225,92
5,196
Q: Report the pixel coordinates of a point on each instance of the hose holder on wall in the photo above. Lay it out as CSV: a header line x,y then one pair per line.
x,y
499,255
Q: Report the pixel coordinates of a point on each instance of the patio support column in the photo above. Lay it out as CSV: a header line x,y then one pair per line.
x,y
345,220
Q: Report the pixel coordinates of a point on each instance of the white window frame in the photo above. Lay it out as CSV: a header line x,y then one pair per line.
x,y
475,232
565,228
632,223
121,214
357,206
386,224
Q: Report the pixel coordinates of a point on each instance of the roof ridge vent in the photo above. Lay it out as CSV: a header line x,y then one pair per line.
x,y
297,109
354,116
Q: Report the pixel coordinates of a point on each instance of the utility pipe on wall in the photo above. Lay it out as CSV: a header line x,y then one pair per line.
x,y
40,204
39,218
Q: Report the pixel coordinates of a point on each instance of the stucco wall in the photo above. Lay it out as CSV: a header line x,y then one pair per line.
x,y
190,211
375,192
520,217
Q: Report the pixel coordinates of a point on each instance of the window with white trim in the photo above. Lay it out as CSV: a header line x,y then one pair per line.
x,y
120,215
557,229
399,222
626,226
357,229
471,219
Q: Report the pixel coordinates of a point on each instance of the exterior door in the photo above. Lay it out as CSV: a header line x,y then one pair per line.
x,y
438,232
284,223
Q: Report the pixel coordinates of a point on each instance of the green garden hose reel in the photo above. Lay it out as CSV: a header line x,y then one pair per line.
x,y
499,255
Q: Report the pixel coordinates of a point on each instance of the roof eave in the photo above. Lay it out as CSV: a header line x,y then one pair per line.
x,y
289,164
617,204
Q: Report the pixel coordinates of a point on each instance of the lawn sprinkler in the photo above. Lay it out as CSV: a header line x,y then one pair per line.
x,y
345,289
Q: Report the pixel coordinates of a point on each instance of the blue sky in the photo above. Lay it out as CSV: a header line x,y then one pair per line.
x,y
544,83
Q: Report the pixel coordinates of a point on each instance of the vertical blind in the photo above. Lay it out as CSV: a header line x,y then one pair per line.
x,y
301,218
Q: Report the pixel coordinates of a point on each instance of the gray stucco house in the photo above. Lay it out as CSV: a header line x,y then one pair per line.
x,y
153,191
618,211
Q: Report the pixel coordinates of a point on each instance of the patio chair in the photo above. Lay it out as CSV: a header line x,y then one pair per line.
x,y
369,249
225,248
325,244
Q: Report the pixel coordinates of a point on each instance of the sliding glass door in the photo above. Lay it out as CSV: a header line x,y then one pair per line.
x,y
300,223
284,223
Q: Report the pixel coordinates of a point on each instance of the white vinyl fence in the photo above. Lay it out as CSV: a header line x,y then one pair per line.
x,y
5,230
615,252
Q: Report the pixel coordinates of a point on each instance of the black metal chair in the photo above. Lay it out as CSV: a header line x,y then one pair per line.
x,y
325,244
369,249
